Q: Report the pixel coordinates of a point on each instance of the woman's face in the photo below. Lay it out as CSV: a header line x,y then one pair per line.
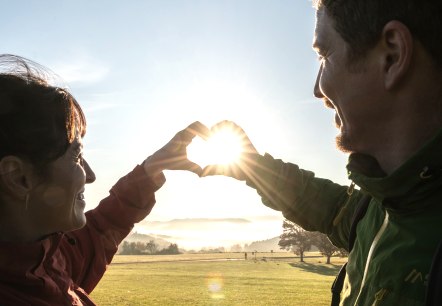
x,y
58,201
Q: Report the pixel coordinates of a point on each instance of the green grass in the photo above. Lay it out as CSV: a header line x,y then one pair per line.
x,y
186,280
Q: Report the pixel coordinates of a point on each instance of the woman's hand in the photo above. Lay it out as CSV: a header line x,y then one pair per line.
x,y
173,156
243,167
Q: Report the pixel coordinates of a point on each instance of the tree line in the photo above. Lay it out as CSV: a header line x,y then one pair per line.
x,y
148,248
296,239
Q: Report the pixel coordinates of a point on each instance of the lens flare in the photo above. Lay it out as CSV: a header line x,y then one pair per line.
x,y
215,284
222,148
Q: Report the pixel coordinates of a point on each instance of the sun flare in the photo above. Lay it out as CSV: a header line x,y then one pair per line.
x,y
223,147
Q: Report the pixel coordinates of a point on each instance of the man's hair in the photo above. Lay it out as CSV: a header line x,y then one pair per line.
x,y
360,22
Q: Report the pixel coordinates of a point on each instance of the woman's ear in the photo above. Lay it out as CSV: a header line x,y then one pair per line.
x,y
398,51
15,176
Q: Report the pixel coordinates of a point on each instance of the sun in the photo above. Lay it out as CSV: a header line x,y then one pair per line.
x,y
223,147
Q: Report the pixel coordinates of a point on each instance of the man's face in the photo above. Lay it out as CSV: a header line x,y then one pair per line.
x,y
351,90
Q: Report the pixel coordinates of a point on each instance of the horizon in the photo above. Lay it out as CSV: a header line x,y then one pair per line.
x,y
163,242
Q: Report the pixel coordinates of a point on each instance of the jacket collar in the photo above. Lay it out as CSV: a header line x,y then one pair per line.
x,y
23,260
415,179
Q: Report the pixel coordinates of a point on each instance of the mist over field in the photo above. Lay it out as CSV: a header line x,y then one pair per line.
x,y
197,233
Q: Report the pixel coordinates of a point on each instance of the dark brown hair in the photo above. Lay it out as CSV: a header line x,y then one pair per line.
x,y
360,22
38,120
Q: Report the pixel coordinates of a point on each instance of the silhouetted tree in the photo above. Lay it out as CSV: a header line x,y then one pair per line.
x,y
131,248
295,239
171,249
213,250
151,247
342,253
236,248
125,248
324,245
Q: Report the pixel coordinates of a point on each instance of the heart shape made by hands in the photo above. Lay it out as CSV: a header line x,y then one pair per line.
x,y
222,147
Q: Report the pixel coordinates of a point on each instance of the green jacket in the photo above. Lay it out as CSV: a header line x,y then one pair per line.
x,y
396,240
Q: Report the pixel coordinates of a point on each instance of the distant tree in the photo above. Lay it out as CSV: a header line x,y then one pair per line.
x,y
342,253
173,248
140,248
131,248
294,238
236,248
125,248
213,250
151,247
324,245
170,250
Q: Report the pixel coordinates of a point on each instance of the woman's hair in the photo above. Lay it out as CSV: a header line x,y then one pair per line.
x,y
38,120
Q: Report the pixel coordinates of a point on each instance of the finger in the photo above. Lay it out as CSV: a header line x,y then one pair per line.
x,y
195,168
218,170
200,129
229,125
211,170
224,124
195,129
247,144
184,137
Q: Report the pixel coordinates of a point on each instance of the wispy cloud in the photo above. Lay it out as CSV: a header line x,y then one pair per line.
x,y
81,70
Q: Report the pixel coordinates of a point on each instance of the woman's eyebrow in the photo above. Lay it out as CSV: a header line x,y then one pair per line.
x,y
77,147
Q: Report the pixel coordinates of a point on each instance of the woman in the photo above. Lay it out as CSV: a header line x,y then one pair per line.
x,y
51,252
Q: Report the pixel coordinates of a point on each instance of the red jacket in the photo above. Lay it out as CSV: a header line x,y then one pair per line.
x,y
64,268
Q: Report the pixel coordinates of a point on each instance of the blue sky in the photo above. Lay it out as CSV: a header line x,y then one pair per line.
x,y
142,70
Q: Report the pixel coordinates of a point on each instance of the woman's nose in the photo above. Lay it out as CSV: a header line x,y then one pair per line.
x,y
90,175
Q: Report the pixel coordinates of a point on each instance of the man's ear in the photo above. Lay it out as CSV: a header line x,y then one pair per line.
x,y
398,51
15,176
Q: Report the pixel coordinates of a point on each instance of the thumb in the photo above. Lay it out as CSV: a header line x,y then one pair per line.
x,y
195,168
210,170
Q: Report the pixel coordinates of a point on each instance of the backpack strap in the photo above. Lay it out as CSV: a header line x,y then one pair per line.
x,y
434,292
338,284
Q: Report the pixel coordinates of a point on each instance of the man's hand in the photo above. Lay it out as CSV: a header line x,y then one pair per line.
x,y
240,169
173,156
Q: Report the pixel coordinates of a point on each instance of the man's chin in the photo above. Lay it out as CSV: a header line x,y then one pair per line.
x,y
343,143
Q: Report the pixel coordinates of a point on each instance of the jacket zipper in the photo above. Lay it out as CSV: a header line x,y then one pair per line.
x,y
343,210
379,296
370,253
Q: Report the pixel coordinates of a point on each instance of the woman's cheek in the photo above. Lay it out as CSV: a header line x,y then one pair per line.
x,y
54,196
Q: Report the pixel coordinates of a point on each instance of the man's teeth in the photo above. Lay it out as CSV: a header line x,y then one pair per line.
x,y
80,196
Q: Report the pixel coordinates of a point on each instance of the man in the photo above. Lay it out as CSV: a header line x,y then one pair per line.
x,y
381,72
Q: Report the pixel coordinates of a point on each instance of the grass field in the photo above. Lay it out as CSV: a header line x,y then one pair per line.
x,y
217,279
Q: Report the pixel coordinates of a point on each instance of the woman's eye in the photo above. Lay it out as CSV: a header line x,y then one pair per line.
x,y
79,158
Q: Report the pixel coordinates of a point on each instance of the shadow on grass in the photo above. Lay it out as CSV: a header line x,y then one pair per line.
x,y
329,270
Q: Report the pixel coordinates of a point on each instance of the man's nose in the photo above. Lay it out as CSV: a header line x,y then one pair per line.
x,y
316,90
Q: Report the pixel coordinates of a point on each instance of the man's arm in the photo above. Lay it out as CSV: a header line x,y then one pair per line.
x,y
315,204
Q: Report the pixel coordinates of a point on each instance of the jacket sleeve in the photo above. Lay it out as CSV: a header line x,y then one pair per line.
x,y
89,250
313,203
